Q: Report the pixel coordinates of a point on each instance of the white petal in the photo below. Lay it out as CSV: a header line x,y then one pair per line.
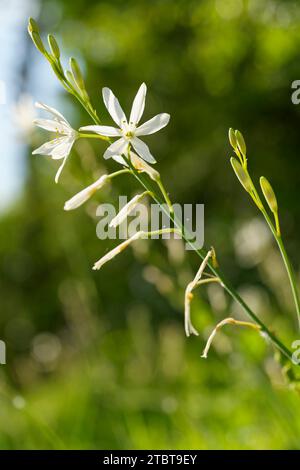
x,y
107,131
113,106
53,126
58,173
47,147
62,150
52,111
119,159
140,165
125,211
153,125
138,105
143,150
116,148
85,194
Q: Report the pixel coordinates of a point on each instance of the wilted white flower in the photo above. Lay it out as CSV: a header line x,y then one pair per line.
x,y
118,249
128,131
81,197
226,321
188,326
61,146
139,164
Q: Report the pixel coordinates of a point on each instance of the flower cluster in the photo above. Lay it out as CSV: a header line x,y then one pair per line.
x,y
128,135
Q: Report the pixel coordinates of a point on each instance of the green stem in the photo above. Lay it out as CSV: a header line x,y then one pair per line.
x,y
165,195
216,271
93,136
145,183
288,266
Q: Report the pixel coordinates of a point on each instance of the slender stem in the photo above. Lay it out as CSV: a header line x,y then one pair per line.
x,y
165,194
288,266
216,271
93,136
119,172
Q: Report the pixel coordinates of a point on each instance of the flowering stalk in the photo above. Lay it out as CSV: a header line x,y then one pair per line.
x,y
272,203
120,150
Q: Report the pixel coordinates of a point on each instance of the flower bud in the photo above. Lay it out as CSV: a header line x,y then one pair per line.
x,y
242,175
54,46
240,142
38,42
33,26
77,74
269,194
232,138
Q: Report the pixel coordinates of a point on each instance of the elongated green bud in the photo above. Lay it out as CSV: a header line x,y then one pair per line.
x,y
54,46
33,26
269,194
240,142
76,72
36,38
242,175
34,32
232,138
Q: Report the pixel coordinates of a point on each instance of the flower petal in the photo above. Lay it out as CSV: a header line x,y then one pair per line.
x,y
81,197
113,106
116,148
53,126
119,159
47,147
58,173
52,111
140,165
138,105
153,125
63,149
107,131
143,150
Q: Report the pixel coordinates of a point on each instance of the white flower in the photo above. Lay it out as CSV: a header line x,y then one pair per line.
x,y
81,197
61,146
129,131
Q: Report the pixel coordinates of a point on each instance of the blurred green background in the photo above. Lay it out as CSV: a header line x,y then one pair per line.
x,y
100,359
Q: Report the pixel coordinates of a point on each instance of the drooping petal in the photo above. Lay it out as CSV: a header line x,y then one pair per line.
x,y
153,125
52,111
143,150
119,159
53,126
116,148
81,197
58,173
47,147
138,105
113,106
107,131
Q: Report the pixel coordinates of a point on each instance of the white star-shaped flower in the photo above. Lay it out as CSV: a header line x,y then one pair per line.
x,y
129,131
61,146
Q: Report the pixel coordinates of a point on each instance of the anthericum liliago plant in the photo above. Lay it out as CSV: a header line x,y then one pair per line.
x,y
135,158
